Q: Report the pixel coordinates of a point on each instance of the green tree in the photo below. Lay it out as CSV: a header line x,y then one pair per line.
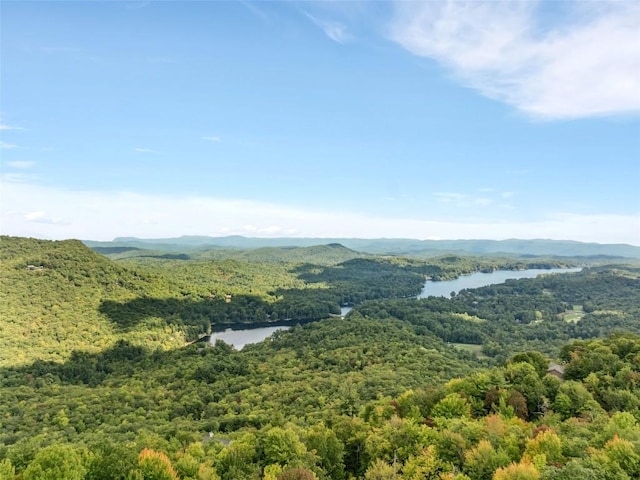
x,y
624,454
483,460
380,470
398,439
112,462
536,359
580,468
425,466
56,462
238,460
452,406
573,399
329,449
282,446
524,378
297,473
7,470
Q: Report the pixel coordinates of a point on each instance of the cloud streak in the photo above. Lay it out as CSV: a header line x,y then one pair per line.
x,y
4,126
144,150
489,198
586,66
41,217
20,164
336,31
104,215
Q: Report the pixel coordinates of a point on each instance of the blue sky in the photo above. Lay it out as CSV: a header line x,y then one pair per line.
x,y
326,119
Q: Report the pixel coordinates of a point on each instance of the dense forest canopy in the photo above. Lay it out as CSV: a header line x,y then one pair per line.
x,y
98,379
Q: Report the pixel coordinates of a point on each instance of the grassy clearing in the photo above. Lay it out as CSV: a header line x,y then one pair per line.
x,y
472,348
574,315
468,318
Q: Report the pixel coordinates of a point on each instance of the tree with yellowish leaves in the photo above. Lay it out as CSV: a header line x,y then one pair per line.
x,y
517,471
544,449
155,466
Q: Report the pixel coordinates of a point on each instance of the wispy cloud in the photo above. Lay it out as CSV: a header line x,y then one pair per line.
x,y
137,5
15,177
8,146
253,8
41,217
336,31
4,126
263,230
586,65
20,164
96,215
212,138
145,150
462,200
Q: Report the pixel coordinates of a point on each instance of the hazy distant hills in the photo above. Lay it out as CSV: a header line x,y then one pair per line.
x,y
512,247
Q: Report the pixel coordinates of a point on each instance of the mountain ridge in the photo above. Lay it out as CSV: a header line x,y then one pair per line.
x,y
390,246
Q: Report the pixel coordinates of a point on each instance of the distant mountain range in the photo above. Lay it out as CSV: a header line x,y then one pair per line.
x,y
388,246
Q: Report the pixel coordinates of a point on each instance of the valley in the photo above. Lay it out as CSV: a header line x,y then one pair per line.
x,y
98,369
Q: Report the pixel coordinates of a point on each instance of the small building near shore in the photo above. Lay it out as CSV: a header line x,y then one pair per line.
x,y
556,370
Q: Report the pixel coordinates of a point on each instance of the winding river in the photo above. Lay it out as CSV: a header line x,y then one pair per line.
x,y
239,337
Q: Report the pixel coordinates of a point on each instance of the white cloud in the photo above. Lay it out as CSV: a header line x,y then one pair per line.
x,y
34,215
336,31
41,217
587,66
20,164
144,150
104,215
212,138
462,200
8,146
4,126
272,230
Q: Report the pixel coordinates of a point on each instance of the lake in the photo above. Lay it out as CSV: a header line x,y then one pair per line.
x,y
480,279
241,336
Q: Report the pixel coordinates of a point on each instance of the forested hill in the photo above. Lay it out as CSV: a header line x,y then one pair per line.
x,y
391,246
330,254
51,295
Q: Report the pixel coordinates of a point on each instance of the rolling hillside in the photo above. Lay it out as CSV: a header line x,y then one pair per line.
x,y
51,295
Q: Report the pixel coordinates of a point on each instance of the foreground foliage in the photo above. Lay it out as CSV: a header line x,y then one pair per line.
x,y
268,413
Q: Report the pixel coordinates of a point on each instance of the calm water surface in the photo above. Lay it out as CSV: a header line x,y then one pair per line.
x,y
479,279
239,338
